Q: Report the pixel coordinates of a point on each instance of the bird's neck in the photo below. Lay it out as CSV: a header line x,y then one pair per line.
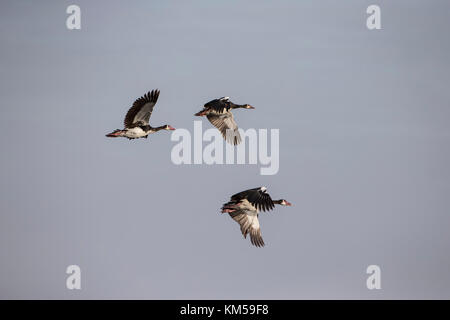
x,y
158,128
237,106
278,201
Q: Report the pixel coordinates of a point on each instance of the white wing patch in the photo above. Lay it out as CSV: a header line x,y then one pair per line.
x,y
254,222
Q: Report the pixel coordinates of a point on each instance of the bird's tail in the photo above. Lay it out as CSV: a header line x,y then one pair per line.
x,y
115,133
229,207
201,113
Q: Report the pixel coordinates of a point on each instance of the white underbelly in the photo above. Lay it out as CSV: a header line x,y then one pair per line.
x,y
136,132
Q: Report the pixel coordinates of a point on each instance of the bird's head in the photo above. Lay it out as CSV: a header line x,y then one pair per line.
x,y
283,202
168,127
247,106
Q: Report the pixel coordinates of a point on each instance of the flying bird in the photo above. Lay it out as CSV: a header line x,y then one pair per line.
x,y
218,112
244,208
137,119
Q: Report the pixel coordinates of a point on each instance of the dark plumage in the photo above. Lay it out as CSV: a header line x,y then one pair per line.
x,y
244,208
258,197
137,118
218,112
141,110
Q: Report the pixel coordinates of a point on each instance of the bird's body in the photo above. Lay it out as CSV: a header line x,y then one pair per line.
x,y
137,119
244,207
137,132
218,112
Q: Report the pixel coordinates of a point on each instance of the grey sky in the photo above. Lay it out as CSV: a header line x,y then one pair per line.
x,y
364,149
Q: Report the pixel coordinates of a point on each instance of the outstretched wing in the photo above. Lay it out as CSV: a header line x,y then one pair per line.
x,y
249,225
219,105
139,114
227,126
258,197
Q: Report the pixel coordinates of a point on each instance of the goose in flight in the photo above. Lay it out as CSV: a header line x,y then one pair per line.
x,y
218,112
244,208
137,118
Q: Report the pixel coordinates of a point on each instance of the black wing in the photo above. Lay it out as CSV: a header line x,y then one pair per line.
x,y
258,197
218,105
139,114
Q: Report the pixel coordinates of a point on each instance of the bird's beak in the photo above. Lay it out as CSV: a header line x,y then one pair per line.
x,y
288,203
171,128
